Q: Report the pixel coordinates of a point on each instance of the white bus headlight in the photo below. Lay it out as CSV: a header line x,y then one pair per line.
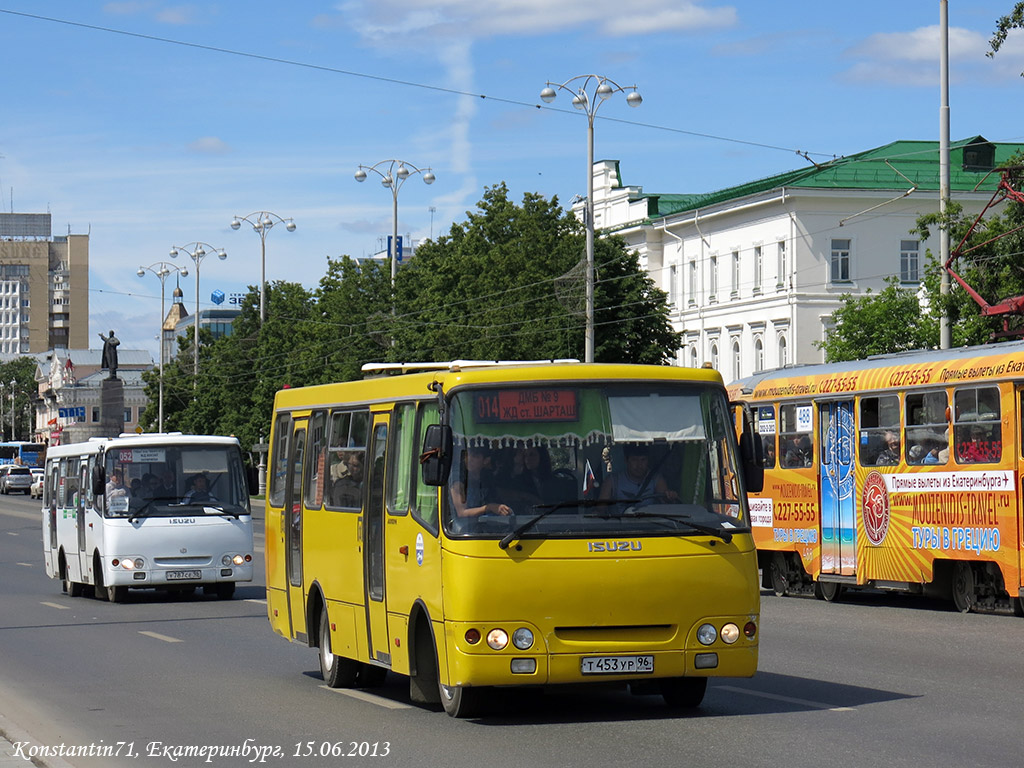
x,y
730,633
238,560
707,634
497,639
522,638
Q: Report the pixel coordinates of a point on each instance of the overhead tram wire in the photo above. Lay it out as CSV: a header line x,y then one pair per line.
x,y
392,80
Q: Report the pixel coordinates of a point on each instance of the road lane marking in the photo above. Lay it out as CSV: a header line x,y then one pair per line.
x,y
254,600
27,565
11,533
369,698
158,636
787,699
57,606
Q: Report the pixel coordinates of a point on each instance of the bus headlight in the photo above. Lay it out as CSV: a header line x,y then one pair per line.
x,y
232,560
497,639
522,638
730,633
707,634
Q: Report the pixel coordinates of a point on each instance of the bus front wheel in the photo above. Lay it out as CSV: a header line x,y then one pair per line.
x,y
459,701
117,594
684,692
337,671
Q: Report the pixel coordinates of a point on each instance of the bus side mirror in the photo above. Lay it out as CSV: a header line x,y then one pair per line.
x,y
99,481
751,454
436,457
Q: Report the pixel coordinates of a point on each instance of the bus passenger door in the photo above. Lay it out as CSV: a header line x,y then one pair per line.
x,y
293,531
373,544
837,438
1018,447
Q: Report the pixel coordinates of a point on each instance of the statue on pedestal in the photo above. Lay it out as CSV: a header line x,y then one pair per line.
x,y
109,359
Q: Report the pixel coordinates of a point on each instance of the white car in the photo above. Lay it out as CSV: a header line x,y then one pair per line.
x,y
14,477
36,489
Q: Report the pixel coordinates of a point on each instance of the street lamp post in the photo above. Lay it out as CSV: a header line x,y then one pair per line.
x,y
197,252
162,270
393,178
262,222
588,102
13,385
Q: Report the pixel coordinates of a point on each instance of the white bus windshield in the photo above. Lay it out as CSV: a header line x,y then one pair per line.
x,y
170,480
611,459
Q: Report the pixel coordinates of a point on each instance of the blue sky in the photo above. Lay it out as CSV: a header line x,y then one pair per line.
x,y
159,136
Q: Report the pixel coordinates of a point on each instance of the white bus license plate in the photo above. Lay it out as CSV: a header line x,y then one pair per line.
x,y
182,575
616,665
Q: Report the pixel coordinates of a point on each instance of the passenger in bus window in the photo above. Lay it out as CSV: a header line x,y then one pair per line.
x,y
472,491
799,454
115,485
979,447
890,455
347,490
769,452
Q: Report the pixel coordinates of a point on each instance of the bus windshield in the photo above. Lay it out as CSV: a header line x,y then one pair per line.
x,y
610,459
172,480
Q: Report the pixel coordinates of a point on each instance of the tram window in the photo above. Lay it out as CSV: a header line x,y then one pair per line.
x,y
927,428
764,423
977,430
880,430
795,443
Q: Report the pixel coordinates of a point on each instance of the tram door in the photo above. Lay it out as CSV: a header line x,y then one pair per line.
x,y
1019,451
837,438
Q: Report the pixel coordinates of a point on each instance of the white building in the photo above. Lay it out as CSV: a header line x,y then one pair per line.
x,y
754,272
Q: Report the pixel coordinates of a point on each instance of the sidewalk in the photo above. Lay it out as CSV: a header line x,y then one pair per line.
x,y
10,733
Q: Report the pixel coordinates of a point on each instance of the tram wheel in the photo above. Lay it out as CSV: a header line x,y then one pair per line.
x,y
829,591
963,587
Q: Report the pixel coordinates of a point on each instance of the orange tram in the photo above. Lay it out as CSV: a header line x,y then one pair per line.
x,y
901,472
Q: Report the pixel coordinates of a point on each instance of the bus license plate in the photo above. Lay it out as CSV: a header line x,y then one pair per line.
x,y
182,575
616,665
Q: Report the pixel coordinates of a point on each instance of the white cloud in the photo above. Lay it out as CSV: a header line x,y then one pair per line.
x,y
912,58
209,145
469,18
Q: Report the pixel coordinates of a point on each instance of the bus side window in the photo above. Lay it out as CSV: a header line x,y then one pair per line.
x,y
279,468
314,480
927,430
424,496
764,422
796,447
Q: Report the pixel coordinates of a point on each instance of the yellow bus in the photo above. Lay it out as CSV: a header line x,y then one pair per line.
x,y
478,525
900,472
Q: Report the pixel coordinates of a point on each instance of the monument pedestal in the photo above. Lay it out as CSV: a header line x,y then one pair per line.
x,y
111,407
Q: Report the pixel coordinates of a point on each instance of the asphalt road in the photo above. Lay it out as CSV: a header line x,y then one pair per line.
x,y
872,681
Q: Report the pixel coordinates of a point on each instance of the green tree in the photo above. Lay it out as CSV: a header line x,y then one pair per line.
x,y
508,283
21,371
1013,20
874,324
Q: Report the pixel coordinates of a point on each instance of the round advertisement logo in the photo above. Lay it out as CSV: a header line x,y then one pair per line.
x,y
875,502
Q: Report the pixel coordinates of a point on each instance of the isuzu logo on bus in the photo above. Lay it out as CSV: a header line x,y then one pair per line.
x,y
614,546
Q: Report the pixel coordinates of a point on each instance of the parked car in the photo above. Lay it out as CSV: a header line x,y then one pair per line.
x,y
15,478
38,477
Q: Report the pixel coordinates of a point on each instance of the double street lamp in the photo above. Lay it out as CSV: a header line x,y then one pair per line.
x,y
197,252
393,178
262,222
589,93
162,270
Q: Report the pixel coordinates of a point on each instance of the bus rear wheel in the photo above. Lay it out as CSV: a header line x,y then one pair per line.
x,y
459,701
337,671
684,692
72,588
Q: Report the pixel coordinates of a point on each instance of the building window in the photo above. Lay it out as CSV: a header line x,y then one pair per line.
x,y
735,274
693,284
714,355
127,415
840,261
713,286
782,265
758,355
95,414
735,358
693,357
758,268
909,260
783,352
673,293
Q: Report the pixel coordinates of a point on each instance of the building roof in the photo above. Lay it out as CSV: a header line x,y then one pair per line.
x,y
897,166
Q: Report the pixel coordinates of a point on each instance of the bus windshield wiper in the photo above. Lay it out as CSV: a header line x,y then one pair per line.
x,y
139,512
686,520
549,509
